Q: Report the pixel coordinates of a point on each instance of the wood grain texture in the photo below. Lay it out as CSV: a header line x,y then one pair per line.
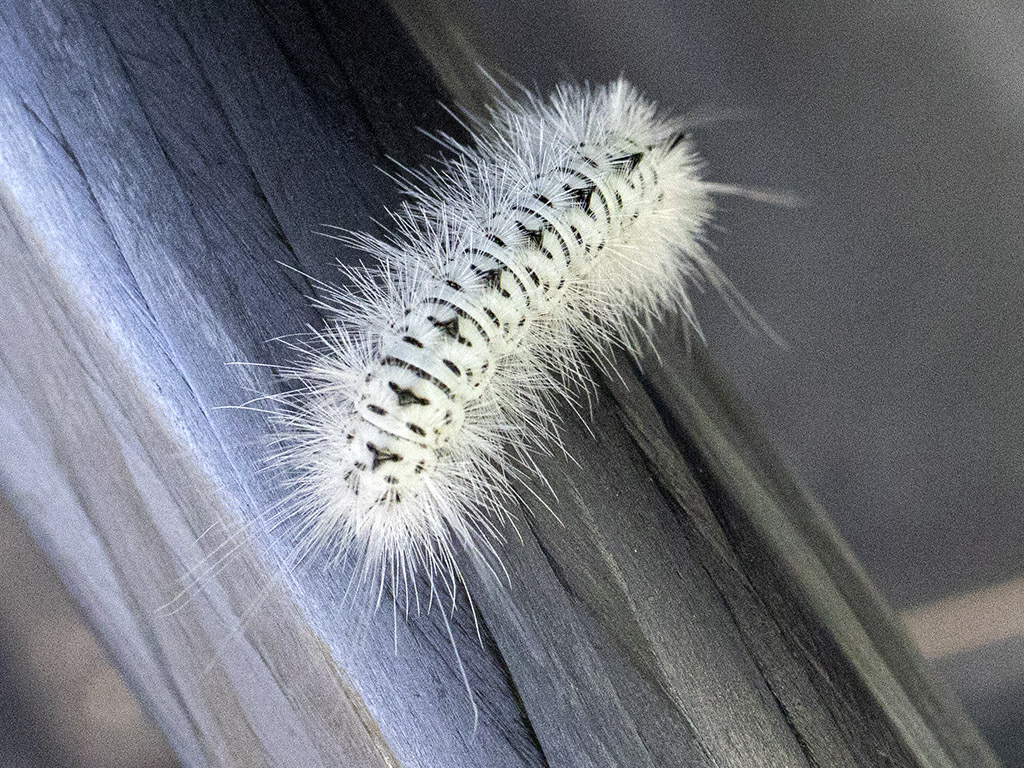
x,y
164,164
119,504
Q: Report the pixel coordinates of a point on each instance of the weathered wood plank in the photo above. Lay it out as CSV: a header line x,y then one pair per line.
x,y
62,705
164,210
162,164
118,502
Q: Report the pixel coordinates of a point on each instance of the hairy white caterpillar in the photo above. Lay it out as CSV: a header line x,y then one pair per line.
x,y
568,225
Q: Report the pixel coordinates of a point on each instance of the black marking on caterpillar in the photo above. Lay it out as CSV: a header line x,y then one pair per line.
x,y
570,224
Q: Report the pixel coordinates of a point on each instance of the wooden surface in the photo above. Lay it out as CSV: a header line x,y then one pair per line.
x,y
161,165
62,704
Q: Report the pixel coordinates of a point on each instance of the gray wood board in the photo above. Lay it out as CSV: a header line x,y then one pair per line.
x,y
162,164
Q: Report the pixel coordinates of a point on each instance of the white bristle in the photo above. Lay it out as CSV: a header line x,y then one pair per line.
x,y
568,225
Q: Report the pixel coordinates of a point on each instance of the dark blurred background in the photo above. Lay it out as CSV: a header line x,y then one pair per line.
x,y
898,397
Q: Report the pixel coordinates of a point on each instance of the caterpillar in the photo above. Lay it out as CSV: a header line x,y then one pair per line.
x,y
565,227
